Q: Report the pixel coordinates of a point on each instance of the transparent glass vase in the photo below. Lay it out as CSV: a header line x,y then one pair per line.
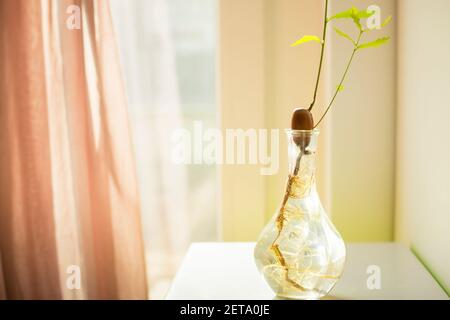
x,y
300,253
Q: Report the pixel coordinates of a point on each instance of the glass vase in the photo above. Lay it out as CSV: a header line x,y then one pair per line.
x,y
300,253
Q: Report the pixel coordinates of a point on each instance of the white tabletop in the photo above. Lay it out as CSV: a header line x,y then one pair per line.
x,y
226,271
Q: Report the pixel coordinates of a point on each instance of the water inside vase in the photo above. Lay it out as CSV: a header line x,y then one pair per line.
x,y
300,253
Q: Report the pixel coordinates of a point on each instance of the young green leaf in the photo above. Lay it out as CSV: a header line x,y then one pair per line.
x,y
306,39
343,15
355,14
340,88
374,44
352,13
365,14
386,21
343,34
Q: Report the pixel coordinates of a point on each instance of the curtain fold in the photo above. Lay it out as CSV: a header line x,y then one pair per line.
x,y
68,190
149,58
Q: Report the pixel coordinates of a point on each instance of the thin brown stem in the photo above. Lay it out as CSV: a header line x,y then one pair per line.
x,y
339,87
324,35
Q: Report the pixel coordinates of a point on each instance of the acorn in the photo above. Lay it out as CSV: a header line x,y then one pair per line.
x,y
302,119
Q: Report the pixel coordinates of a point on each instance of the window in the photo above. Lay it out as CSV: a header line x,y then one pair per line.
x,y
168,56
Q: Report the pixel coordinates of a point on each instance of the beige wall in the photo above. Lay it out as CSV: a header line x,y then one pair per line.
x,y
423,134
262,79
242,101
363,131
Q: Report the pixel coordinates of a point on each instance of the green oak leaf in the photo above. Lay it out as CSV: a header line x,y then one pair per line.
x,y
305,39
386,21
353,13
343,15
365,14
374,44
343,34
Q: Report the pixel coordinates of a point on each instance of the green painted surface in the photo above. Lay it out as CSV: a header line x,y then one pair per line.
x,y
434,275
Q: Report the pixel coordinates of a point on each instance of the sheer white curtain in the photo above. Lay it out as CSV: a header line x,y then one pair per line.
x,y
148,60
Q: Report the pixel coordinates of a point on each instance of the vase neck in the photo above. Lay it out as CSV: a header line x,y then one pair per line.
x,y
302,147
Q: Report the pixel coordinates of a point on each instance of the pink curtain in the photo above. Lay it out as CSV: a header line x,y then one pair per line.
x,y
68,190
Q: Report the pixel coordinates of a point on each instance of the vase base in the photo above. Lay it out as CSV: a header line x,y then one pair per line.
x,y
305,295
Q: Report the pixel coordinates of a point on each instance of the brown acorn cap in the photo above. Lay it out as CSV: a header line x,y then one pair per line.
x,y
302,119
